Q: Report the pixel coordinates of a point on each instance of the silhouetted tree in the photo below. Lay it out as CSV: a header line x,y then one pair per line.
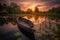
x,y
3,9
29,11
36,10
14,9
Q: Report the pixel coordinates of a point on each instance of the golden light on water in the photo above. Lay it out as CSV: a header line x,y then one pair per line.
x,y
33,19
25,17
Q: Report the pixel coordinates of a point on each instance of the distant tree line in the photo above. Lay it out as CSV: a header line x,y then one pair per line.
x,y
13,8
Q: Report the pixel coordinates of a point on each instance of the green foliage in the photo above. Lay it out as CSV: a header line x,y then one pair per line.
x,y
13,9
3,9
58,32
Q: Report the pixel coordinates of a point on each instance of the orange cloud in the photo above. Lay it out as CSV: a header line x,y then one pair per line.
x,y
25,5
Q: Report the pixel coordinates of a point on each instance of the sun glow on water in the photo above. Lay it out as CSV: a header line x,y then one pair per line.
x,y
33,19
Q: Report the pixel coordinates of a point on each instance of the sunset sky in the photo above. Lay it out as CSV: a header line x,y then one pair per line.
x,y
43,5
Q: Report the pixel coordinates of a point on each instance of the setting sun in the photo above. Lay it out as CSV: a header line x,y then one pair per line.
x,y
32,7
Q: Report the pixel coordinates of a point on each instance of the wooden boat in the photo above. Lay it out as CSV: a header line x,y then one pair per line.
x,y
24,26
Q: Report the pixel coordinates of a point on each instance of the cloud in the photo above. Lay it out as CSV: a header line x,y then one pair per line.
x,y
26,3
56,2
2,1
47,2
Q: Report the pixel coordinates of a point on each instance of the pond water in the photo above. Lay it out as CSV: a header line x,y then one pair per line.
x,y
41,22
42,25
